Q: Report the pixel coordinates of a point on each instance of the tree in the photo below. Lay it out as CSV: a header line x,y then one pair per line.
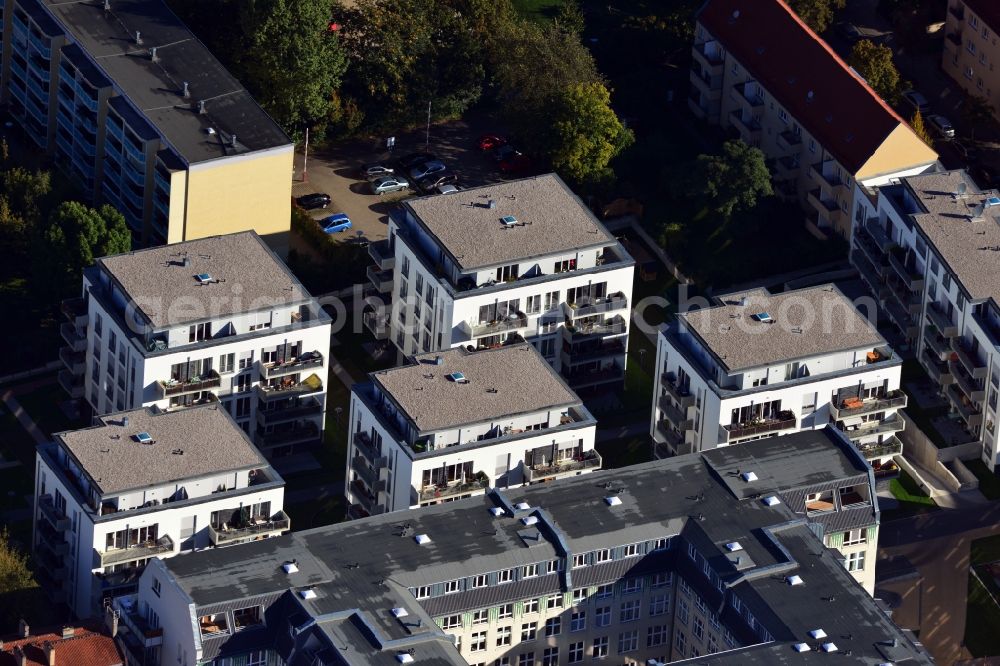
x,y
570,19
290,60
918,127
586,133
976,112
817,14
17,585
874,63
23,195
734,180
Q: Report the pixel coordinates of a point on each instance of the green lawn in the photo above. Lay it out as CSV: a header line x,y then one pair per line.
x,y
989,483
985,550
912,500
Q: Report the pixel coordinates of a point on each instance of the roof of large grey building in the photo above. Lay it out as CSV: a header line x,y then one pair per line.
x,y
548,219
799,324
156,88
498,383
244,276
190,443
963,226
364,569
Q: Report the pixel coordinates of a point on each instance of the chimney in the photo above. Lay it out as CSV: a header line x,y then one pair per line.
x,y
201,106
124,421
187,90
50,653
23,630
187,261
68,631
152,54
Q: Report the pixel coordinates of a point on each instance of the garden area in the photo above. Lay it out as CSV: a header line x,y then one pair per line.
x,y
911,499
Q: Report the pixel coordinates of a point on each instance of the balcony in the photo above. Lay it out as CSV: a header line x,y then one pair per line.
x,y
122,578
602,351
749,127
939,371
666,433
356,512
172,387
365,498
381,279
75,311
941,321
969,386
73,361
289,388
682,396
816,200
901,318
203,399
589,461
510,322
455,489
616,301
855,406
256,529
382,254
377,324
676,416
893,423
958,11
582,330
306,432
307,361
970,413
291,412
787,167
969,360
910,301
748,94
582,378
785,420
139,551
937,346
906,271
57,518
363,443
52,539
75,337
54,566
789,140
360,465
709,56
707,84
138,628
825,176
71,383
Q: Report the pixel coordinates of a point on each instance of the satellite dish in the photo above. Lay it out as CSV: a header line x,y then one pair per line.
x,y
962,187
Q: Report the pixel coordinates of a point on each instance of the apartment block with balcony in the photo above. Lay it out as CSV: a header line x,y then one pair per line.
x,y
453,424
505,263
761,73
758,365
712,556
971,53
928,248
217,320
141,485
132,106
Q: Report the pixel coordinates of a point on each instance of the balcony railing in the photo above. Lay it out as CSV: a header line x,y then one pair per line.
x,y
75,310
138,551
604,350
76,339
382,254
789,140
382,279
856,406
582,378
613,302
614,326
972,365
377,324
747,126
965,382
822,178
894,423
665,433
451,490
258,528
71,383
308,432
939,371
970,413
363,442
307,407
508,323
590,460
289,389
937,346
748,93
56,517
307,361
711,55
360,465
683,397
356,512
204,382
676,416
785,421
941,321
72,360
909,275
815,197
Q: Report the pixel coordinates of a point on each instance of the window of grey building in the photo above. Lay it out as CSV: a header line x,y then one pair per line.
x,y
628,641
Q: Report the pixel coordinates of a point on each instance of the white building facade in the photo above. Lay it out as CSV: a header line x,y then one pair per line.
x,y
201,484
214,320
419,437
753,366
523,260
927,247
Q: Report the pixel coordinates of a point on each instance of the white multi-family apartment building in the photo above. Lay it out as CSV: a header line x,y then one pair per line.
x,y
762,365
145,484
219,319
929,249
452,424
763,74
521,260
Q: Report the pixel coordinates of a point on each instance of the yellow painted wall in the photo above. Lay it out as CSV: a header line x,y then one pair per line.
x,y
239,194
175,221
900,151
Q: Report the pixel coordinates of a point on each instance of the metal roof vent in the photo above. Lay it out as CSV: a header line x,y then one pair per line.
x,y
794,580
399,612
817,634
749,477
124,421
422,539
187,90
201,106
232,141
144,438
522,506
308,593
438,360
734,546
801,647
613,500
529,520
152,54
829,647
138,37
404,658
771,500
492,204
290,567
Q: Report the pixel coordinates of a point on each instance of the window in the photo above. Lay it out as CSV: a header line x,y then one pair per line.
x,y
196,333
576,652
533,304
422,592
451,622
629,611
156,586
628,641
529,631
578,621
856,561
656,635
550,656
405,272
531,606
526,659
552,566
600,647
631,585
505,611
579,560
482,580
603,555
553,626
507,273
659,604
247,617
529,571
630,550
481,616
605,591
452,586
477,642
579,595
503,636
502,661
682,611
698,627
554,601
602,616
662,579
680,643
257,658
505,576
551,300
226,362
855,537
712,645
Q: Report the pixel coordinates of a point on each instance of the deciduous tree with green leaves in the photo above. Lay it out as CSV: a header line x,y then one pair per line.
x,y
817,14
920,129
586,133
875,65
734,180
18,589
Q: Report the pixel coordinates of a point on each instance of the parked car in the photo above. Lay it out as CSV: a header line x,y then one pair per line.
x,y
413,159
941,125
375,169
447,189
491,141
336,223
516,163
427,184
388,184
967,151
314,200
917,101
849,32
426,169
500,153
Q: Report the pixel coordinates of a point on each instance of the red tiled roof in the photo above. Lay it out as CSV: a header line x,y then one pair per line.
x,y
790,61
85,647
987,10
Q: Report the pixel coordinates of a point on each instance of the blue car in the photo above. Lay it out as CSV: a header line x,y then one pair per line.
x,y
336,223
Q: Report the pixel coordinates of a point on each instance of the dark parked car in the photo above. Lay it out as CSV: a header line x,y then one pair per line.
x,y
967,151
500,153
407,162
314,200
432,182
491,141
375,170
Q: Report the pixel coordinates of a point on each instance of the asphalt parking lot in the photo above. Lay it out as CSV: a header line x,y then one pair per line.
x,y
335,171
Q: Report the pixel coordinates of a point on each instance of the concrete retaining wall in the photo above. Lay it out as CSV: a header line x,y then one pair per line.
x,y
962,473
919,447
